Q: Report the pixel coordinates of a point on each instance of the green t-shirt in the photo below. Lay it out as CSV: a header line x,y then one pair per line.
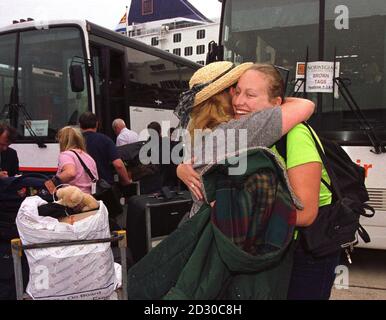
x,y
301,149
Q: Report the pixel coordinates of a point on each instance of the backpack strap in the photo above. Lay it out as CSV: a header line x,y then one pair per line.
x,y
334,188
281,147
370,208
363,234
93,179
327,185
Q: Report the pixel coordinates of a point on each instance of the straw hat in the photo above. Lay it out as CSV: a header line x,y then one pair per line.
x,y
223,75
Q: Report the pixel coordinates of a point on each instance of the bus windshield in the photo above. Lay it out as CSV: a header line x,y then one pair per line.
x,y
41,99
281,32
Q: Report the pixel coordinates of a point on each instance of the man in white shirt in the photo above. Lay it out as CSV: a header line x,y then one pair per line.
x,y
124,135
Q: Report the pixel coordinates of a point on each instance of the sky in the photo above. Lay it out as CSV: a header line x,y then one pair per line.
x,y
106,13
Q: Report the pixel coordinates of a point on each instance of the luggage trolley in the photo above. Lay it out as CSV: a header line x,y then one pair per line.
x,y
18,247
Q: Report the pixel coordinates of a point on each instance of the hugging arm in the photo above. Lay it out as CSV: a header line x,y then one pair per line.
x,y
294,111
265,127
190,178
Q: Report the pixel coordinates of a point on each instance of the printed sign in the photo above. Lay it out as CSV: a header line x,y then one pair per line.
x,y
39,127
320,77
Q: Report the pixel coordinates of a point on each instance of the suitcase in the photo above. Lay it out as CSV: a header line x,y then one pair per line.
x,y
164,214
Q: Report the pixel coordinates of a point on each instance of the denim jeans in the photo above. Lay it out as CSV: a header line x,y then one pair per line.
x,y
312,278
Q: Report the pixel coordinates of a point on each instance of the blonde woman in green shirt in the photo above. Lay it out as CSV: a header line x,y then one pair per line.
x,y
311,278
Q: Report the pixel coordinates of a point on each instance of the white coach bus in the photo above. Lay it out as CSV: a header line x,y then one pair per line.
x,y
51,73
351,32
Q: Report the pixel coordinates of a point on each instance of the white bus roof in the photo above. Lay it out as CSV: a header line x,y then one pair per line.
x,y
40,24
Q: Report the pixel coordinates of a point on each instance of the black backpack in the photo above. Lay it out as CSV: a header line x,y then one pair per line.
x,y
337,224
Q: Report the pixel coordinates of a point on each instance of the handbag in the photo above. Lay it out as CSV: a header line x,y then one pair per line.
x,y
103,191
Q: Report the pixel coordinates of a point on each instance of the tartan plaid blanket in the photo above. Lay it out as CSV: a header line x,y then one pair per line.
x,y
255,212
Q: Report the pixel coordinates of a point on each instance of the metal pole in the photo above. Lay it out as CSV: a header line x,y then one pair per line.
x,y
148,228
122,244
333,82
138,186
16,255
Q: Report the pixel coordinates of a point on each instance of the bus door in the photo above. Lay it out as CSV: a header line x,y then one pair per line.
x,y
109,84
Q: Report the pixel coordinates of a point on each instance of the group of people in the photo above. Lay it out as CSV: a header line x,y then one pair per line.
x,y
222,97
98,152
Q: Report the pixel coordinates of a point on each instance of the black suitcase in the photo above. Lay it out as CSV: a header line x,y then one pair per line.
x,y
164,219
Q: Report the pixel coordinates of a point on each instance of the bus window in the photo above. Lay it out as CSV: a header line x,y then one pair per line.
x,y
44,87
348,26
276,32
125,77
7,67
280,31
109,84
155,82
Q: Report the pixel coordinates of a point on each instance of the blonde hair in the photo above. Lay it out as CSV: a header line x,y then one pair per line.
x,y
71,138
276,85
210,113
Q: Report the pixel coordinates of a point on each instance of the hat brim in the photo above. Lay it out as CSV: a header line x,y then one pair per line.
x,y
227,80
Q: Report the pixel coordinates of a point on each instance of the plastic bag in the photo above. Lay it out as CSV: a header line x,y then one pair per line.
x,y
71,272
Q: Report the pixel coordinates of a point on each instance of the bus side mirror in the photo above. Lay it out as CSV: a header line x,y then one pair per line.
x,y
76,78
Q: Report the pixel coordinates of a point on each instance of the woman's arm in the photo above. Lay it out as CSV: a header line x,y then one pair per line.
x,y
67,174
294,111
305,181
190,178
265,127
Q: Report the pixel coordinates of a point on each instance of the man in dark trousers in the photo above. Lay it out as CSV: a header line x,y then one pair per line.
x,y
8,211
103,150
9,160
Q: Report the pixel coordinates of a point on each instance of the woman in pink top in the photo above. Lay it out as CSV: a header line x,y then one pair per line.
x,y
70,170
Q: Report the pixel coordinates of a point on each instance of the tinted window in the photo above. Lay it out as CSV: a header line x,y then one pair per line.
x,y
155,82
45,92
7,67
283,33
362,59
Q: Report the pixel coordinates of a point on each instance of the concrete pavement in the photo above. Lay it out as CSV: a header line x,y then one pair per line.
x,y
367,276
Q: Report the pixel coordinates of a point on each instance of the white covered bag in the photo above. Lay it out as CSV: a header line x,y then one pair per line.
x,y
71,272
